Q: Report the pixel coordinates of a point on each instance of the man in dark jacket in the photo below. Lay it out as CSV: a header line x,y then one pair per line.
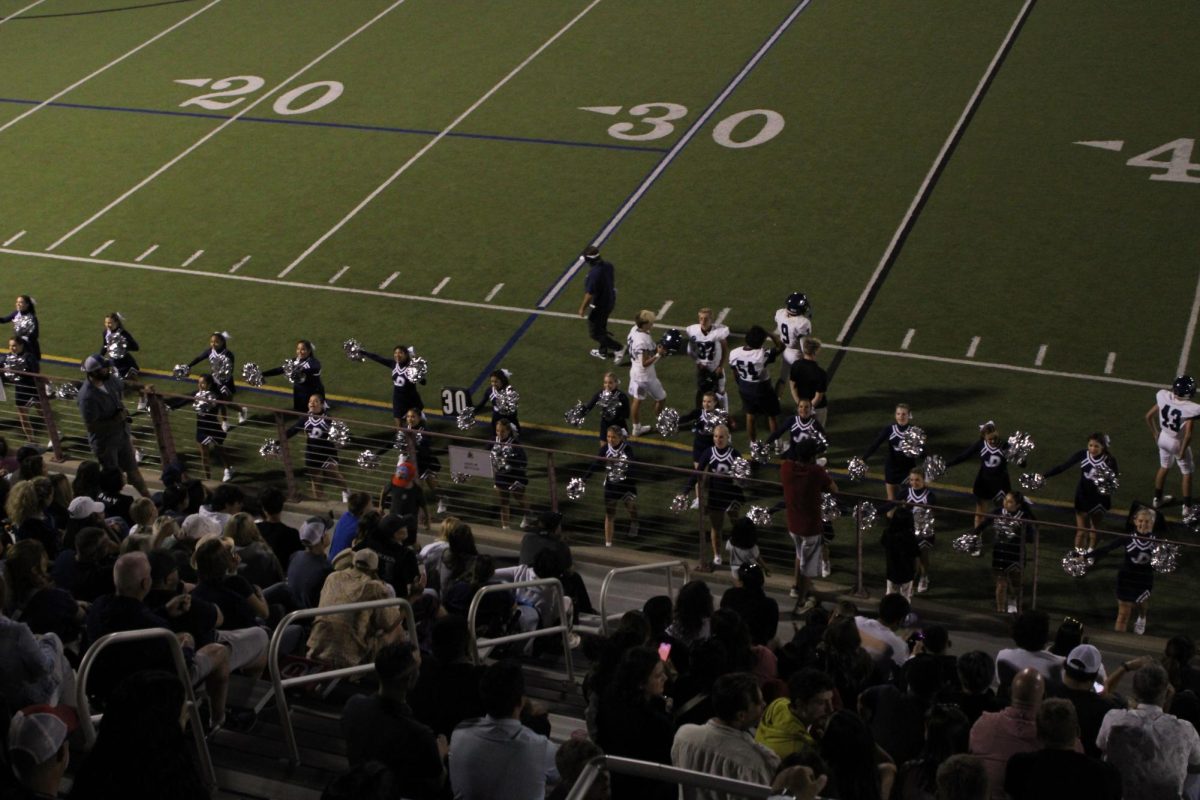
x,y
600,292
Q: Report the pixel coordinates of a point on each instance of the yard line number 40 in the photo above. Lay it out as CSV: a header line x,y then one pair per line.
x,y
656,120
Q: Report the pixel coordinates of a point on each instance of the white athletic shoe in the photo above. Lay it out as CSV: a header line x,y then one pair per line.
x,y
441,509
526,522
1159,502
1139,627
923,585
826,570
243,415
638,430
346,496
595,353
227,475
976,553
716,561
1012,606
608,544
794,592
141,406
225,426
138,455
695,503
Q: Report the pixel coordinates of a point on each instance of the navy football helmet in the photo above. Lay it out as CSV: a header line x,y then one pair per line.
x,y
673,341
797,303
1184,386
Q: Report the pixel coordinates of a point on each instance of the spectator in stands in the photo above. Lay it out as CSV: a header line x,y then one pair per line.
x,y
841,656
86,571
1179,660
141,752
724,746
183,546
308,569
33,668
346,529
447,690
548,536
879,635
143,513
347,640
693,612
1153,750
60,502
386,535
1058,769
84,512
572,756
87,480
539,605
226,501
382,727
33,596
896,718
634,721
962,777
1030,632
858,768
117,504
748,598
27,513
999,735
976,672
38,749
1081,675
495,757
403,498
1068,636
241,602
107,421
786,724
947,731
283,539
458,559
258,562
744,656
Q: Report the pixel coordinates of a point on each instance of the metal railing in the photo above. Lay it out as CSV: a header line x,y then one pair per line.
x,y
87,722
661,772
666,566
563,628
280,684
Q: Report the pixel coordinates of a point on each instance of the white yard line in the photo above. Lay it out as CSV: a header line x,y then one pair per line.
x,y
908,337
13,238
539,311
938,161
722,315
973,347
388,280
432,142
495,291
1191,332
238,265
107,66
245,110
192,258
22,11
1108,364
146,254
1040,357
662,312
102,248
438,289
338,274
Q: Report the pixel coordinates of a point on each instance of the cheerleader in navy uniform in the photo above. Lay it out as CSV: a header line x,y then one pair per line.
x,y
917,494
25,324
126,365
991,482
623,491
210,435
217,354
499,381
704,420
404,388
1090,504
510,481
1014,524
20,358
428,465
305,377
723,497
1135,577
320,453
798,427
616,412
896,463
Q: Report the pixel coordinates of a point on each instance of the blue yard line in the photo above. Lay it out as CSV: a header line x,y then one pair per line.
x,y
635,197
342,125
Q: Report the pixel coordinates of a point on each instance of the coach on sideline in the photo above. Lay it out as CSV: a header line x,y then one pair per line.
x,y
107,421
600,291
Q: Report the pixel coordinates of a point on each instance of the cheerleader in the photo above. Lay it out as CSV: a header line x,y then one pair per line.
x,y
1013,522
305,377
499,381
21,360
1135,577
723,497
428,465
404,388
25,324
1090,504
991,482
623,491
896,463
320,453
217,354
917,495
901,551
510,481
210,434
704,420
126,366
616,412
798,427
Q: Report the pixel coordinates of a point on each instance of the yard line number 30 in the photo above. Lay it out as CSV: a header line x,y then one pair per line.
x,y
660,118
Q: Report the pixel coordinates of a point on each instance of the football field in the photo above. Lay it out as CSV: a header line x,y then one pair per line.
x,y
993,214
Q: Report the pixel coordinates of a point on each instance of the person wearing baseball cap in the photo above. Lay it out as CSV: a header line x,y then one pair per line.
x,y
37,747
107,421
1082,680
403,497
308,569
347,640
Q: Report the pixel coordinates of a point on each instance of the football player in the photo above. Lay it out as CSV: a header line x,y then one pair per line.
x,y
707,347
793,322
643,381
751,365
1170,421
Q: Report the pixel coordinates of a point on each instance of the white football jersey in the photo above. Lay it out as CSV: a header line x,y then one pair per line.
x,y
1172,412
707,348
750,366
791,329
637,344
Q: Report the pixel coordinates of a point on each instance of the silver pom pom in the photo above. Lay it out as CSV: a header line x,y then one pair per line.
x,y
857,469
866,513
465,420
1191,518
760,516
221,366
180,371
923,522
1031,481
1075,563
1018,448
270,449
117,347
679,503
830,510
23,326
667,423
251,374
204,402
459,477
66,391
1007,527
507,400
576,415
353,350
760,452
617,468
12,361
368,459
741,468
417,369
500,455
339,433
934,468
967,543
1105,479
400,442
609,403
912,441
709,420
291,370
1165,558
576,488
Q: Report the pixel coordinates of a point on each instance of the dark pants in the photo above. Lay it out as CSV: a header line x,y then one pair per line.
x,y
598,330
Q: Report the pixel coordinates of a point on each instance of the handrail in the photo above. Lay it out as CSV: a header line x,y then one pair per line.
x,y
279,683
662,772
667,566
563,628
87,723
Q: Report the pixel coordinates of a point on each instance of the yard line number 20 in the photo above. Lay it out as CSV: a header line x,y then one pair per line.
x,y
231,91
